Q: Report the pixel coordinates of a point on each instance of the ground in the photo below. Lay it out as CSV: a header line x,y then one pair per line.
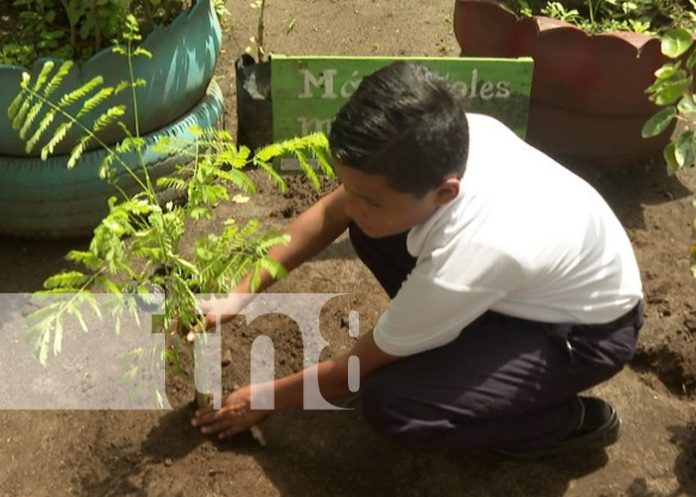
x,y
154,453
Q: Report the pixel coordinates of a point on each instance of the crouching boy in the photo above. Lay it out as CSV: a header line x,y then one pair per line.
x,y
513,285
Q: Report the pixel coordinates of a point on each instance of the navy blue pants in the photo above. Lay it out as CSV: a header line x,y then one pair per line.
x,y
504,383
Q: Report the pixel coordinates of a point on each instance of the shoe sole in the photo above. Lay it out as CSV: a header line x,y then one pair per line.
x,y
602,437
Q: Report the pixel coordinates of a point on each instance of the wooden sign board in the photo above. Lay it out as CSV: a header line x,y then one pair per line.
x,y
308,91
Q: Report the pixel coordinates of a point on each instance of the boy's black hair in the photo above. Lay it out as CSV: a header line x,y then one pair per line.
x,y
405,122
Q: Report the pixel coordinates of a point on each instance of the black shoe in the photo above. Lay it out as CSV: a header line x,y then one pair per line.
x,y
600,427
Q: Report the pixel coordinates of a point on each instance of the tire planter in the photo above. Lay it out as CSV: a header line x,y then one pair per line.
x,y
45,199
184,57
588,93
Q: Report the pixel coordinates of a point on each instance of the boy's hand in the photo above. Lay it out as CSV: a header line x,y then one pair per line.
x,y
233,417
224,308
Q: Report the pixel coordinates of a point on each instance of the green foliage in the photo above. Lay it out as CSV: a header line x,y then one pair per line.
x,y
674,89
558,11
36,107
76,29
598,16
137,247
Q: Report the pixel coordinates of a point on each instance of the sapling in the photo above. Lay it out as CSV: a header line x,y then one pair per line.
x,y
137,248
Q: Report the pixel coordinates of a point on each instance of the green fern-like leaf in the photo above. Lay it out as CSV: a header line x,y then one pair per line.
x,y
92,102
22,102
238,179
140,51
274,176
313,141
316,142
248,231
200,213
118,49
40,349
74,311
58,337
212,194
78,94
78,150
108,117
121,86
174,183
89,299
57,137
20,116
40,130
108,284
324,160
307,169
30,118
271,241
14,107
58,78
89,259
273,267
272,151
69,279
40,315
42,78
242,157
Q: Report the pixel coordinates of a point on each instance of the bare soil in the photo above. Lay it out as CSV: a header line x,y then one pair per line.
x,y
157,453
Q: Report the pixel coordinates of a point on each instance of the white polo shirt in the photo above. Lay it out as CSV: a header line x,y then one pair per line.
x,y
525,237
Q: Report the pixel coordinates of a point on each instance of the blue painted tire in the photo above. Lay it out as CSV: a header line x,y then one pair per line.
x,y
45,199
184,56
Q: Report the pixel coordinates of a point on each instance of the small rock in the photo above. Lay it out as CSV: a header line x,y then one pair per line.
x,y
690,323
227,357
168,462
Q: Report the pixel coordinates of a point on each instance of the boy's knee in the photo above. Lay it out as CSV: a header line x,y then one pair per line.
x,y
389,412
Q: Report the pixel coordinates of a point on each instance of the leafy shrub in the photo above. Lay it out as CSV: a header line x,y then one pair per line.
x,y
137,247
675,91
596,16
74,29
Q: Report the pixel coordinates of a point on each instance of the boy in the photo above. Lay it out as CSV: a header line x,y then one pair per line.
x,y
513,285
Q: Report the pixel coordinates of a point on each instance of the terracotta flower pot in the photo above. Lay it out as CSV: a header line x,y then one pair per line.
x,y
588,93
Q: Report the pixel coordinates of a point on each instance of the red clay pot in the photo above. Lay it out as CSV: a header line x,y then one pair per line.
x,y
588,93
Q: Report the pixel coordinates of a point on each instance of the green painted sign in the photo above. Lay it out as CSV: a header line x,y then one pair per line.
x,y
308,91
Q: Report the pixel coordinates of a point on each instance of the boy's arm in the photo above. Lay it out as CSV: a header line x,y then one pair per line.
x,y
332,374
236,414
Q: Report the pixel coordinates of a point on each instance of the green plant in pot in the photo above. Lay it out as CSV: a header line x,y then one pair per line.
x,y
139,246
184,39
674,90
604,16
592,62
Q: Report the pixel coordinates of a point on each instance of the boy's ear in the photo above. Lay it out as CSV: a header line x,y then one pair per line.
x,y
447,191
